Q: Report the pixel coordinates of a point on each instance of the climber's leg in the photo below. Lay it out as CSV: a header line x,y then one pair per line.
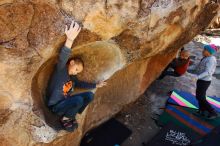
x,y
69,107
87,98
169,73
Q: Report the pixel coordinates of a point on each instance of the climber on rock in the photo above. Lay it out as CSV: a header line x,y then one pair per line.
x,y
179,65
60,89
204,71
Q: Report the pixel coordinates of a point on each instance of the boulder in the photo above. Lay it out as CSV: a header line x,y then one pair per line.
x,y
127,43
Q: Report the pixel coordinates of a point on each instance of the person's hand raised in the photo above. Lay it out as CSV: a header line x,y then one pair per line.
x,y
72,31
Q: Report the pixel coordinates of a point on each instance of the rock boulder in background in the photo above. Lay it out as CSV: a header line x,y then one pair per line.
x,y
128,43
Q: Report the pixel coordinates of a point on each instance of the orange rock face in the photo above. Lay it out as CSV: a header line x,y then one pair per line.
x,y
127,43
215,23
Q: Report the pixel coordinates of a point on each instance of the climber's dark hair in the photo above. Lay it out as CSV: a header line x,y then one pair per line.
x,y
77,60
182,49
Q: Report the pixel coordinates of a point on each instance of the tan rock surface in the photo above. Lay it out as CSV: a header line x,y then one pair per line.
x,y
126,42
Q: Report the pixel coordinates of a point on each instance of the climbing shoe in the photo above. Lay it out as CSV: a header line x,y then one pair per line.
x,y
212,115
199,113
69,124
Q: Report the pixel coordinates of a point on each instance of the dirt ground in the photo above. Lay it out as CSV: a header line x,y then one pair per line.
x,y
137,117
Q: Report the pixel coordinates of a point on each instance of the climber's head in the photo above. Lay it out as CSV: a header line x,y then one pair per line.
x,y
184,54
206,53
75,65
209,50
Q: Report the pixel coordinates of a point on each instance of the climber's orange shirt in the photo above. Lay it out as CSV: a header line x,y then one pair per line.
x,y
67,87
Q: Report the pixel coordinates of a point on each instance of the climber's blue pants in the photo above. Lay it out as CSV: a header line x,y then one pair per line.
x,y
73,105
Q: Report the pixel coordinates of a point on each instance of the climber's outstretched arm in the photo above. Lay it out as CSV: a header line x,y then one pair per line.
x,y
71,33
65,52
